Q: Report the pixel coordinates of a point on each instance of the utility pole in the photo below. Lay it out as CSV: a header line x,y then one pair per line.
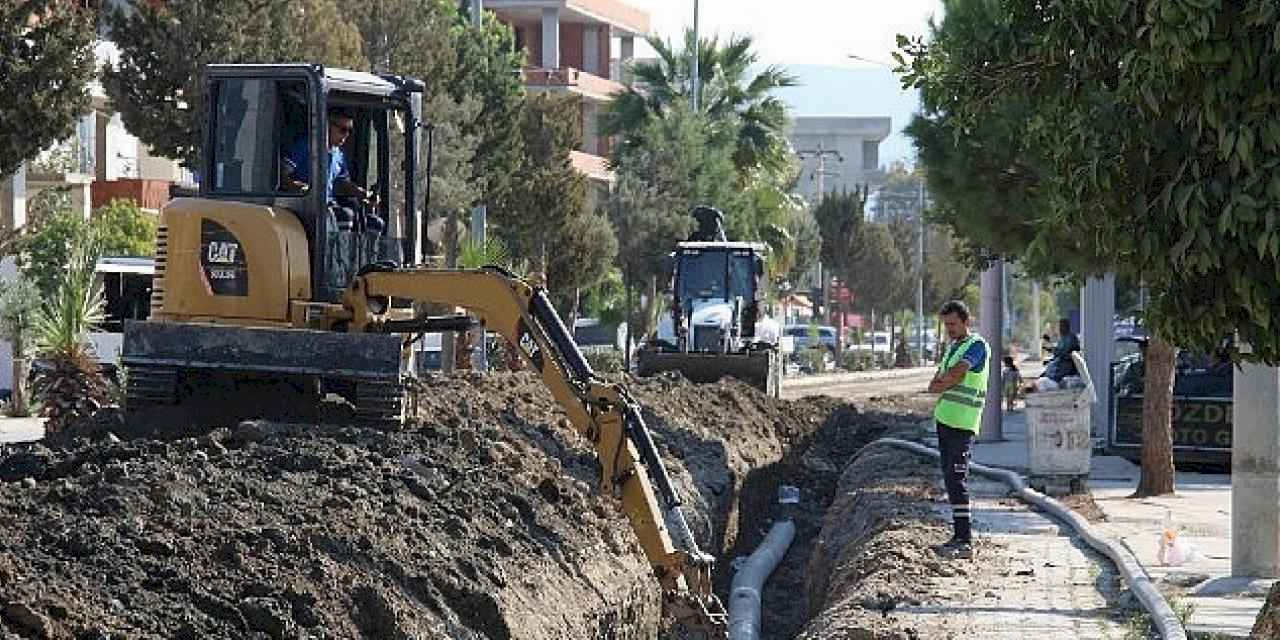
x,y
821,153
992,328
697,76
1035,343
920,269
479,223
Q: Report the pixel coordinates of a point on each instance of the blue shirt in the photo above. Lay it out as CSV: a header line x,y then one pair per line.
x,y
297,158
975,355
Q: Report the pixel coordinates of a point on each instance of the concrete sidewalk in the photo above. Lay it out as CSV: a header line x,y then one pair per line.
x,y
1200,511
21,429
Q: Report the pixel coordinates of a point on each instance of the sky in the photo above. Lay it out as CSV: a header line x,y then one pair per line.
x,y
819,35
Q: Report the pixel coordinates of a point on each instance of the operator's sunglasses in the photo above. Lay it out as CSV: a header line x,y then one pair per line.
x,y
347,129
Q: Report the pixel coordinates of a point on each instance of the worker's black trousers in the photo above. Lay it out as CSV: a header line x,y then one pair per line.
x,y
956,446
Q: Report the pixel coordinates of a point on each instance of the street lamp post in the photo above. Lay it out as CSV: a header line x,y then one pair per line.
x,y
821,153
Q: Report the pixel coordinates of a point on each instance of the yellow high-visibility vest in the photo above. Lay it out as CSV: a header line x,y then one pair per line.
x,y
961,406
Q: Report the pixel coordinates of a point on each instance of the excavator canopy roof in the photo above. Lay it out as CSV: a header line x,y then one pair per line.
x,y
336,79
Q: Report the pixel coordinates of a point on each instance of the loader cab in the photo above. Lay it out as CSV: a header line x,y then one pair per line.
x,y
716,271
710,272
262,120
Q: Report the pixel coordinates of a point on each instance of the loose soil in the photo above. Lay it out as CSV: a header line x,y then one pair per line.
x,y
481,519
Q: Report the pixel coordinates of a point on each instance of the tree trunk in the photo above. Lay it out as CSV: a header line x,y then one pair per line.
x,y
1157,418
651,314
20,402
573,312
1267,624
449,339
629,308
893,332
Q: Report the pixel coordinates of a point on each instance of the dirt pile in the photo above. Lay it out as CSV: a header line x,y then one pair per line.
x,y
481,520
874,549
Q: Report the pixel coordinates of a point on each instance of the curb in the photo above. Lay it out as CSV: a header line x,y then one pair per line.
x,y
1162,615
853,377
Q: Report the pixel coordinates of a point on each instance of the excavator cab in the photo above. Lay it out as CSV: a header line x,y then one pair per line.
x,y
271,140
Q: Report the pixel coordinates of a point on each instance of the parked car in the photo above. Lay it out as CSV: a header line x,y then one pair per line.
x,y
827,336
1202,402
876,342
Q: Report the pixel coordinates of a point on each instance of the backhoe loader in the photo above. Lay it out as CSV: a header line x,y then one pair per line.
x,y
715,325
264,286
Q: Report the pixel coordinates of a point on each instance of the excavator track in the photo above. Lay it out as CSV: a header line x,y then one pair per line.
x,y
380,402
151,386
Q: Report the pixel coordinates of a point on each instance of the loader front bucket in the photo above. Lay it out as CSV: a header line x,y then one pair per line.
x,y
760,369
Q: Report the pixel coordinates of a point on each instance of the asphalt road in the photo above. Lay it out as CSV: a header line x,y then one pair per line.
x,y
910,384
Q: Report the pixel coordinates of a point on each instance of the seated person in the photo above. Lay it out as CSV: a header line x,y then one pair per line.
x,y
1062,365
297,168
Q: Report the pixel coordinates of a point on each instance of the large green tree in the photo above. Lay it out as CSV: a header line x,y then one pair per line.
x,y
46,63
487,69
840,218
1150,147
544,216
155,84
545,190
945,274
740,105
686,165
806,248
876,272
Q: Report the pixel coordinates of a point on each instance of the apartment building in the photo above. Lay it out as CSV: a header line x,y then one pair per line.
x,y
579,47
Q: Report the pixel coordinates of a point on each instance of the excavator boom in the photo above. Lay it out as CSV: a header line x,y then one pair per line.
x,y
602,411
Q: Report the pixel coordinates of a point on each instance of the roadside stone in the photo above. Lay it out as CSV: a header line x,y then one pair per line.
x,y
267,615
22,616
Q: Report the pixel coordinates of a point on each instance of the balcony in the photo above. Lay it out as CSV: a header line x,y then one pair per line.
x,y
569,79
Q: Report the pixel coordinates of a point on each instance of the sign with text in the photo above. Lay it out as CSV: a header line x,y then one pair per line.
x,y
1198,423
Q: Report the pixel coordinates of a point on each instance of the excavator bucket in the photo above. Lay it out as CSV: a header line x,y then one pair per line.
x,y
760,369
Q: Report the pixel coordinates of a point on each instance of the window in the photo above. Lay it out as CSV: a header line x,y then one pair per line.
x,y
255,120
870,155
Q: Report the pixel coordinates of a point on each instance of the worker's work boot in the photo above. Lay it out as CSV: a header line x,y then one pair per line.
x,y
955,549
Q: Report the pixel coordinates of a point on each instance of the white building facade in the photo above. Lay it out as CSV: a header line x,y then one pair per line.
x,y
838,152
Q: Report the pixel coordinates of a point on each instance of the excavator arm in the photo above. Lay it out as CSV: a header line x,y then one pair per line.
x,y
603,412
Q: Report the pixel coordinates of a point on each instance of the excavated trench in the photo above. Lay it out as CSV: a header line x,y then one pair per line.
x,y
479,520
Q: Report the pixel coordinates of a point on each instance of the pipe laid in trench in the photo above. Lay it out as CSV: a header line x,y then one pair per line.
x,y
748,582
1162,615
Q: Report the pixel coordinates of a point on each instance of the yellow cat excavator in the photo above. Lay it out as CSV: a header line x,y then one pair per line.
x,y
269,280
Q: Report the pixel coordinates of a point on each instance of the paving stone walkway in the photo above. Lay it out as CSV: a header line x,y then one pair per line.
x,y
1032,579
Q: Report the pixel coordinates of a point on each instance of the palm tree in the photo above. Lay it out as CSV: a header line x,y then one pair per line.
x,y
739,105
70,387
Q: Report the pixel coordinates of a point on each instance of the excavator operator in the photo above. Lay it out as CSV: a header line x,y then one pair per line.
x,y
297,165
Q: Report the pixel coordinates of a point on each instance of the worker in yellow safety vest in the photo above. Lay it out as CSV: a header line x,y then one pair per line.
x,y
962,381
